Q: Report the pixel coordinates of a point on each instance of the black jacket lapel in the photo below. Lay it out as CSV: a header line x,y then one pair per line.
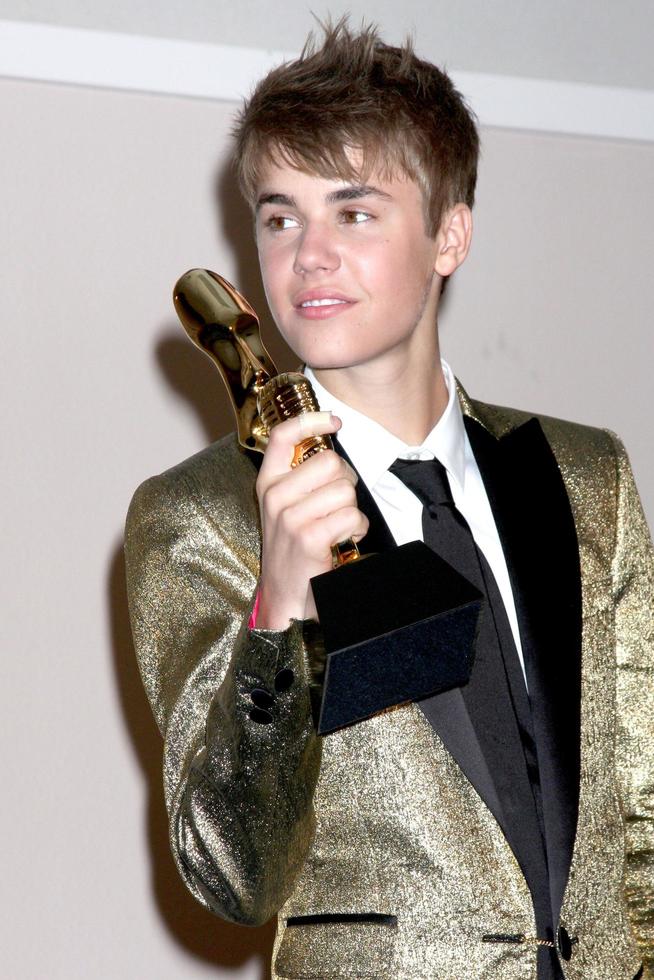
x,y
536,527
448,715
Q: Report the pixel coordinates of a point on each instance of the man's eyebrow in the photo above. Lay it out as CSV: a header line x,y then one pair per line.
x,y
350,193
354,192
284,199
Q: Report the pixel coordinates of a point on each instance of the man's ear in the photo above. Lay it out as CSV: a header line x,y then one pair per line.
x,y
453,239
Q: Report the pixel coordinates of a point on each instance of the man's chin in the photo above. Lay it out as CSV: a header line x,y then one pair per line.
x,y
326,366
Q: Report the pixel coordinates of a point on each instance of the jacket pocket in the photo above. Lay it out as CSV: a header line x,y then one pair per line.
x,y
327,945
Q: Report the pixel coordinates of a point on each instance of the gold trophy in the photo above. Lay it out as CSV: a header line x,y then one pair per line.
x,y
397,627
221,322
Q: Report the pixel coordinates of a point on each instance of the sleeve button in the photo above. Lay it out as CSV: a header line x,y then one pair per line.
x,y
261,716
283,679
261,698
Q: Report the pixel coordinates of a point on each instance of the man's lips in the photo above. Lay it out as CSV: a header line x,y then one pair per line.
x,y
316,304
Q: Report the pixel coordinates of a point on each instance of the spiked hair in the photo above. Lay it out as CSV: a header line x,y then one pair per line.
x,y
355,105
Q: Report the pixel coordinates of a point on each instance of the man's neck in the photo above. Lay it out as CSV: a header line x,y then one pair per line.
x,y
406,400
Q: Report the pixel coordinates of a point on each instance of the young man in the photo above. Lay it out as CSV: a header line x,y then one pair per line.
x,y
502,829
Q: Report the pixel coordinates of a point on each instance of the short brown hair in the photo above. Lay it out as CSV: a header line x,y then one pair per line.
x,y
354,93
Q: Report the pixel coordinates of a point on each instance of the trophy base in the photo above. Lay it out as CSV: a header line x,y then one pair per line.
x,y
397,627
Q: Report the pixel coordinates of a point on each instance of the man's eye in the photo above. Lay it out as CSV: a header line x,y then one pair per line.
x,y
352,216
280,222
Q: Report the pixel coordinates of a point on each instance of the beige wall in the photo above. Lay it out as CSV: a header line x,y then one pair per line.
x,y
586,41
107,198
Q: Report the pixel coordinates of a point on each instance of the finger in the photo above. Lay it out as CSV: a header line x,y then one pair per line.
x,y
325,466
316,539
320,503
287,435
348,522
284,489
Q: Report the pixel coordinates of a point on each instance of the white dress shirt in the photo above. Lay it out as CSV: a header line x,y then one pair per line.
x,y
373,449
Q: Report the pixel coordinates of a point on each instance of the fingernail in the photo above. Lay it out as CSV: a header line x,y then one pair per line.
x,y
309,420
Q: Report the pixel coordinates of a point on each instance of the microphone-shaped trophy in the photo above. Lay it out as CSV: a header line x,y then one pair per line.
x,y
397,627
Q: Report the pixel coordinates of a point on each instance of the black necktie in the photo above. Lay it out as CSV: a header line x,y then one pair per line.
x,y
445,530
496,696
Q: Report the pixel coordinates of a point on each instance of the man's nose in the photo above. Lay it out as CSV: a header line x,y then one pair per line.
x,y
316,251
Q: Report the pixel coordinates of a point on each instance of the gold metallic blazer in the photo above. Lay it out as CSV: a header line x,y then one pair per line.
x,y
377,852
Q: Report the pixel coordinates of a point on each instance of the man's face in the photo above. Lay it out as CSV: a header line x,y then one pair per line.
x,y
348,269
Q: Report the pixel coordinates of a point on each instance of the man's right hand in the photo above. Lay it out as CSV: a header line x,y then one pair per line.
x,y
304,512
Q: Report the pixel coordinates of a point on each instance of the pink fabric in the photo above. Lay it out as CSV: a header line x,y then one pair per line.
x,y
252,622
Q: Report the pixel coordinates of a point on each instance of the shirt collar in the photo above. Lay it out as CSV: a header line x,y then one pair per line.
x,y
373,449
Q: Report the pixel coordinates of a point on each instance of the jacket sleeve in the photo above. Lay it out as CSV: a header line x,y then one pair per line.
x,y
241,757
633,579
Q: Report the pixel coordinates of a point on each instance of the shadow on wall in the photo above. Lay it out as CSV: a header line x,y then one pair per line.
x,y
237,226
189,373
195,381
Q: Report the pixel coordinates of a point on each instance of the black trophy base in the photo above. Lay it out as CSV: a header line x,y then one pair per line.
x,y
397,626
